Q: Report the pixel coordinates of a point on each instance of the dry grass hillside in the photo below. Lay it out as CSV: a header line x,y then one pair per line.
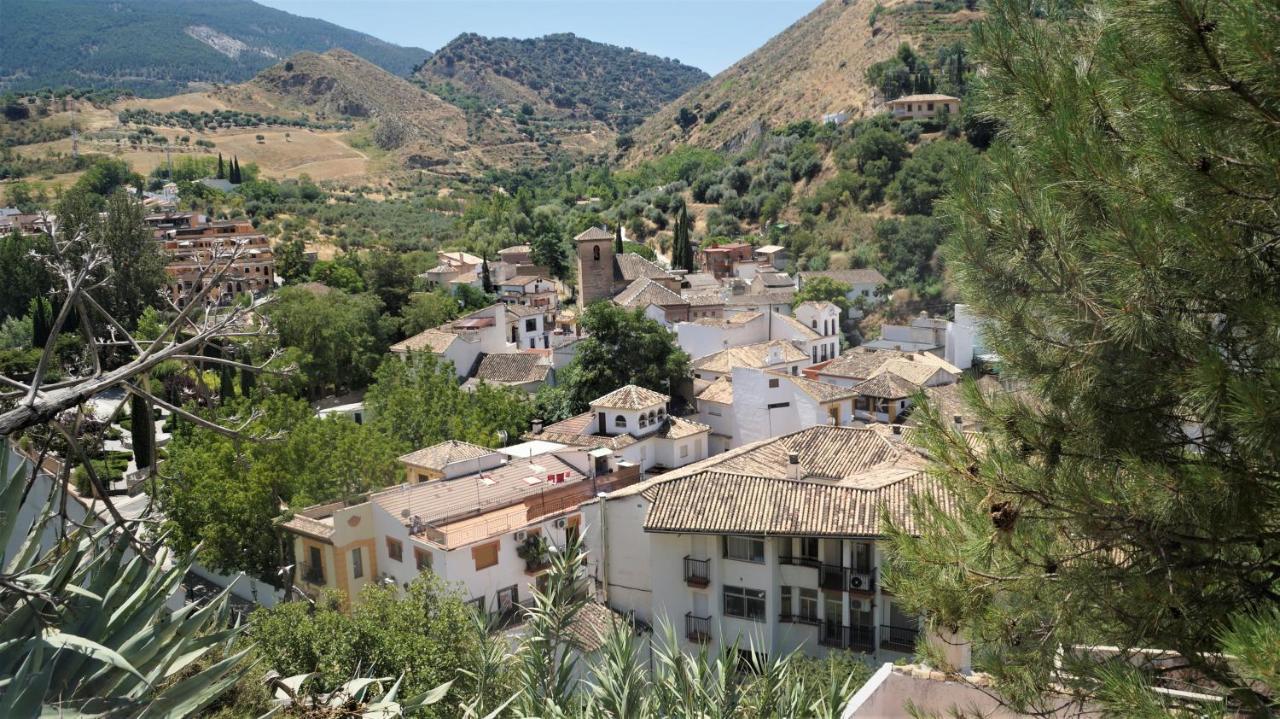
x,y
816,66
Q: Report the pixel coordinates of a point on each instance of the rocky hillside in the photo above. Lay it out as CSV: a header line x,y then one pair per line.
x,y
559,75
157,47
813,68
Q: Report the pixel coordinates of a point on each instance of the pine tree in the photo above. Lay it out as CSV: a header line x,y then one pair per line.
x,y
142,430
1120,241
222,170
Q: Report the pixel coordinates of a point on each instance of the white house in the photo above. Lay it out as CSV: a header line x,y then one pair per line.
x,y
480,519
775,545
634,423
813,330
777,355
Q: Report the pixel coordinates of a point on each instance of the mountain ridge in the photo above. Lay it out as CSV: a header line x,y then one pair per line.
x,y
162,46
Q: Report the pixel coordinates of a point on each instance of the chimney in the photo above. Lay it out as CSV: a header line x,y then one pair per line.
x,y
958,420
793,465
897,429
537,426
911,358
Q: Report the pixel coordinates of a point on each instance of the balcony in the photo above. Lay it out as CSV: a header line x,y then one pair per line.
x,y
697,629
835,578
898,639
536,565
697,572
857,638
312,573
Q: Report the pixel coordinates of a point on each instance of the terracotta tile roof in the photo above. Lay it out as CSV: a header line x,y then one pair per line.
x,y
720,391
679,428
755,356
769,249
698,280
825,452
644,292
769,297
516,249
775,279
520,280
719,503
924,98
703,298
593,233
915,370
821,391
303,524
591,625
523,310
576,432
630,397
818,305
439,456
504,485
512,368
805,331
949,401
886,385
863,362
432,340
866,276
632,267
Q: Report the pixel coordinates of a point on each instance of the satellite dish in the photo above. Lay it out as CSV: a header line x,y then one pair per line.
x,y
404,513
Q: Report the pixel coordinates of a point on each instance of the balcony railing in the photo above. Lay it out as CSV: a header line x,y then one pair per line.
x,y
312,573
902,639
846,579
799,561
697,572
697,629
860,638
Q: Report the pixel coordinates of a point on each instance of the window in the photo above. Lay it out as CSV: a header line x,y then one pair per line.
x,y
779,405
713,412
795,370
595,253
813,324
507,599
784,611
395,549
531,324
478,603
684,450
773,383
815,355
809,548
357,563
744,603
744,549
421,559
620,421
485,555
808,605
643,421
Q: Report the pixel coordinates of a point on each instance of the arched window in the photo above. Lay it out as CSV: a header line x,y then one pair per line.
x,y
652,415
643,423
595,253
620,421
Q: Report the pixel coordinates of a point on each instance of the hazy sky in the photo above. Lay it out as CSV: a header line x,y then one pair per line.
x,y
710,34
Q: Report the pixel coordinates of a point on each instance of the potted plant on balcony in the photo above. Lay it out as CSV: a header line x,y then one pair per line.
x,y
533,550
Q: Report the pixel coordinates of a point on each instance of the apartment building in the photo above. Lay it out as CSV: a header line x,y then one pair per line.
x,y
196,248
753,404
482,520
776,545
497,329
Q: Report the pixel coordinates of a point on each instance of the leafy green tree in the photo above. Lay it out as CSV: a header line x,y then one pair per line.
x,y
924,177
415,631
1120,243
105,176
622,347
825,289
338,334
473,298
25,278
225,495
291,261
428,309
388,276
909,248
551,250
417,403
338,275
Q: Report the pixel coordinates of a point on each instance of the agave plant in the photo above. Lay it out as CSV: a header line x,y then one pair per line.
x,y
361,697
84,628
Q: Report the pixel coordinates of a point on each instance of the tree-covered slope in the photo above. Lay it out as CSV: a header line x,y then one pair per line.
x,y
158,47
561,74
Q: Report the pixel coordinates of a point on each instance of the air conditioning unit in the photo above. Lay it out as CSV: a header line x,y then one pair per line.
x,y
521,535
857,605
857,581
561,522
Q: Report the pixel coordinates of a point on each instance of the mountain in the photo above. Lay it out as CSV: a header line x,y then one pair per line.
x,y
156,47
816,66
558,75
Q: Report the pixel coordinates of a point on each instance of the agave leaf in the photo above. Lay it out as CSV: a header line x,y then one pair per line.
x,y
12,701
89,648
429,697
288,687
192,694
354,690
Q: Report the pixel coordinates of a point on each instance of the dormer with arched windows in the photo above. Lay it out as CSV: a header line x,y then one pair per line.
x,y
630,410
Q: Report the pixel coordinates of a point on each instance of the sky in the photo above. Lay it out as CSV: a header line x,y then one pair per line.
x,y
709,34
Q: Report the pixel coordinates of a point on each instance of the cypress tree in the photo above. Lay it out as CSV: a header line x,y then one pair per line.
x,y
617,239
41,321
247,382
485,279
222,170
226,383
1120,243
142,431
